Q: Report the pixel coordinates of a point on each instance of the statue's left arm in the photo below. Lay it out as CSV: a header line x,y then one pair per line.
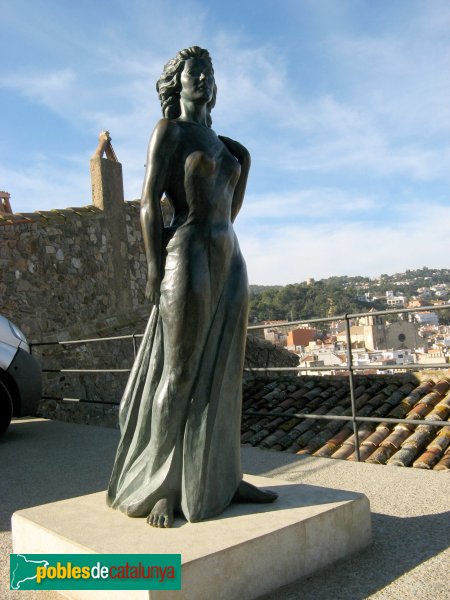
x,y
243,156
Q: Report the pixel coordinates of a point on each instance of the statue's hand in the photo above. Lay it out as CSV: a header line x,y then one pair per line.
x,y
236,149
153,289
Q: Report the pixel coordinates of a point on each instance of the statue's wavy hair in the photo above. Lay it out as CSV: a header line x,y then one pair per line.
x,y
168,85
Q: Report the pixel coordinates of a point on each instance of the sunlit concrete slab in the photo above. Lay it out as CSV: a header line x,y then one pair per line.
x,y
247,551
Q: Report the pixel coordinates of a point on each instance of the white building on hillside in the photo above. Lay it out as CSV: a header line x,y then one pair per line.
x,y
395,301
427,318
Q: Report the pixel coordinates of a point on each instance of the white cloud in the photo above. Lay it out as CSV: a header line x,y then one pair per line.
x,y
356,152
317,203
251,81
51,88
53,188
291,253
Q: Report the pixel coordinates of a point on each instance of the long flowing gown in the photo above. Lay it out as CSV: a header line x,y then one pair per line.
x,y
181,409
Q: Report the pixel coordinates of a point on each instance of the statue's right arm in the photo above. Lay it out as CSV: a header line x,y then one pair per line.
x,y
160,150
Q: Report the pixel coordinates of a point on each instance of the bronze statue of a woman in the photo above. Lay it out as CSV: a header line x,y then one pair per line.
x,y
181,410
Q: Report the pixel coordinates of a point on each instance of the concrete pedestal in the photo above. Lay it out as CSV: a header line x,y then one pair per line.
x,y
247,551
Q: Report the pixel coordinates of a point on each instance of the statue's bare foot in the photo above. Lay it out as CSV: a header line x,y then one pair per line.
x,y
162,513
247,492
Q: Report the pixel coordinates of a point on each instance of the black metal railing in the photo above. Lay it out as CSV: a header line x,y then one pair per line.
x,y
349,368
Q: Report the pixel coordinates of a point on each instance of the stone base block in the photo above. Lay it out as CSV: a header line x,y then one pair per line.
x,y
247,551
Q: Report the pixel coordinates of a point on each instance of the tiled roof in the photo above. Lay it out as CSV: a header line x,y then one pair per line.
x,y
46,215
55,214
421,446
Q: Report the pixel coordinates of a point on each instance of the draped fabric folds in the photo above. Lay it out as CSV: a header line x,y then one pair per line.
x,y
181,409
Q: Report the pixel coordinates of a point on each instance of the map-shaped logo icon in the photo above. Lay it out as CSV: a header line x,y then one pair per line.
x,y
23,569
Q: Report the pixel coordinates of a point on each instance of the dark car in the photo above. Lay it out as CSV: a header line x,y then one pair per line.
x,y
20,375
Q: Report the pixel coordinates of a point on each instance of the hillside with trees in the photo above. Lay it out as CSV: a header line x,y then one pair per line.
x,y
338,295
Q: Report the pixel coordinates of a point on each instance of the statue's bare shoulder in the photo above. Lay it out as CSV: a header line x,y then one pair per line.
x,y
163,141
166,131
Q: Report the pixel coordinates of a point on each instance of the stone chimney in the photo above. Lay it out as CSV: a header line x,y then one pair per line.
x,y
5,205
106,176
108,196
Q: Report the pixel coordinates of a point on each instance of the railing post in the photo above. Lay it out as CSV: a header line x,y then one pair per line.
x,y
352,388
134,345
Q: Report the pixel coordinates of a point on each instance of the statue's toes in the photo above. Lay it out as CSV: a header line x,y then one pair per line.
x,y
161,520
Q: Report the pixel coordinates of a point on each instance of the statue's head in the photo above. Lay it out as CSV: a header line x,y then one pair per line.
x,y
169,85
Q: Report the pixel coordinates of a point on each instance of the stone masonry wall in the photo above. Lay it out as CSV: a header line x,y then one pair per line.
x,y
57,273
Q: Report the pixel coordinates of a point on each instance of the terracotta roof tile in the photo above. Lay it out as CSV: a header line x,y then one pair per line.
x,y
435,450
372,442
347,449
334,442
444,463
399,396
389,445
11,219
56,214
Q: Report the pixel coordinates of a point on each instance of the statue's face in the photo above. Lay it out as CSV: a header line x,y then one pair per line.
x,y
197,80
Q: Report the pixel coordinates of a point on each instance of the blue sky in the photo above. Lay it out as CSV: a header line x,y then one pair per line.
x,y
343,104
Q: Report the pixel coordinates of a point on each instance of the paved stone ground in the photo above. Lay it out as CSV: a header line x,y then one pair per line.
x,y
44,461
